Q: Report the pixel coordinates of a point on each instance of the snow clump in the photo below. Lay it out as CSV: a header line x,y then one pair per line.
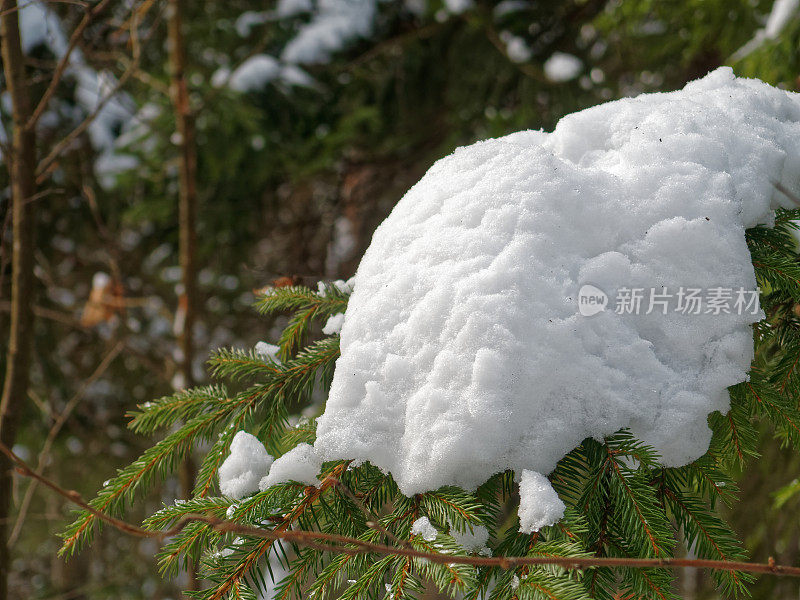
x,y
301,464
334,24
341,285
333,324
425,528
268,351
245,466
539,504
463,352
472,541
561,67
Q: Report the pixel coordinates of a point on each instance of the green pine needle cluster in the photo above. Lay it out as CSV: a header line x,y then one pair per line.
x,y
620,501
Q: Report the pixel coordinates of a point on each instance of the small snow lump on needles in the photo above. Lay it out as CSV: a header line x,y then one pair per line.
x,y
247,463
539,505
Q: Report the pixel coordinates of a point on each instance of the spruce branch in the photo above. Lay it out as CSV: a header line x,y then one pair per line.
x,y
214,458
710,537
341,544
307,307
160,459
180,406
352,535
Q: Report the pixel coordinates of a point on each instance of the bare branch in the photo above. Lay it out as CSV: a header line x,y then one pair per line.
x,y
340,544
187,313
23,186
53,433
76,498
26,4
64,62
49,161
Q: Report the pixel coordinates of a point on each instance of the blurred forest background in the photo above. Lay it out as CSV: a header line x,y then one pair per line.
x,y
309,119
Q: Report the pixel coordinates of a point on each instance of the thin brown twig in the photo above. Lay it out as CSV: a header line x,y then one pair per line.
x,y
63,63
47,313
328,542
58,424
373,521
145,77
347,545
48,162
27,4
40,404
783,190
43,169
24,469
4,256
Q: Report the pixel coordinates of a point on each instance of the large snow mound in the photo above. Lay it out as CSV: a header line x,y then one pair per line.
x,y
462,351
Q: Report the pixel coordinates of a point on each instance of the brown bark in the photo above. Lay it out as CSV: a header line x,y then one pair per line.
x,y
187,208
22,168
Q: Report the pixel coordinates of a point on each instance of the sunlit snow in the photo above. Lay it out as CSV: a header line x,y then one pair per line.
x,y
463,353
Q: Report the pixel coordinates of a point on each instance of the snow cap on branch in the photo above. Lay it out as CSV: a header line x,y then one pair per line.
x,y
268,351
333,324
463,352
473,540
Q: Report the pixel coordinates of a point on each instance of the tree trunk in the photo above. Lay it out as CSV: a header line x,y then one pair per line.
x,y
22,167
187,208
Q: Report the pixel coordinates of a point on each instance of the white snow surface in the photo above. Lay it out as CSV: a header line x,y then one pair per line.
x,y
258,71
462,351
245,466
254,73
340,284
247,20
425,528
38,25
472,541
457,7
301,463
517,49
539,505
290,8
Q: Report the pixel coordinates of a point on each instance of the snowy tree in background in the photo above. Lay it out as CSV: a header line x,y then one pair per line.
x,y
459,403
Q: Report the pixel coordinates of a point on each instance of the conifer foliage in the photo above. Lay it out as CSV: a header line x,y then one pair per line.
x,y
620,501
